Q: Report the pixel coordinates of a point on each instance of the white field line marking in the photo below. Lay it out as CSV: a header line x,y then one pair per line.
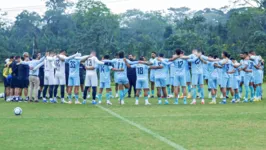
x,y
163,139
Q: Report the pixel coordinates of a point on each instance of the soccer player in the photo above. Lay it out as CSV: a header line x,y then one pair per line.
x,y
7,79
213,79
82,70
132,77
235,80
41,77
23,76
14,81
142,72
105,81
73,79
248,77
115,76
180,75
171,80
60,77
121,69
91,79
152,73
257,72
161,74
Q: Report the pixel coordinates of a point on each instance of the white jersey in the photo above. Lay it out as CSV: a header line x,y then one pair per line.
x,y
60,66
92,62
49,64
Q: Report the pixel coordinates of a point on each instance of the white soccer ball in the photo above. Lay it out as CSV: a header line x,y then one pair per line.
x,y
2,95
18,111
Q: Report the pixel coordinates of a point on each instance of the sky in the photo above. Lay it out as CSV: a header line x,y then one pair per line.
x,y
14,7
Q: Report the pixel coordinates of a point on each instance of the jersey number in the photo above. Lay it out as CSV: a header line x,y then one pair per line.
x,y
140,70
102,69
180,64
197,61
57,63
89,62
120,65
72,64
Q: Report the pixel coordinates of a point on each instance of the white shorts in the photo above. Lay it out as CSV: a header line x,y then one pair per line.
x,y
60,79
49,78
91,80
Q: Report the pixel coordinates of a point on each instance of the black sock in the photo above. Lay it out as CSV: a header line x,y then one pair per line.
x,y
44,91
94,92
85,92
55,90
62,89
51,89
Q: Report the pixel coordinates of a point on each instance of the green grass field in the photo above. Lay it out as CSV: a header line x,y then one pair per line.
x,y
129,127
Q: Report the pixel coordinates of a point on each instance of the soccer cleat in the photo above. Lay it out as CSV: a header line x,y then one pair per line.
x,y
44,101
166,102
69,102
223,102
36,101
63,101
147,103
84,102
109,103
99,102
137,103
189,96
93,102
245,101
233,101
202,102
238,101
122,102
212,103
116,95
89,96
182,96
77,103
159,102
149,96
221,96
193,102
176,103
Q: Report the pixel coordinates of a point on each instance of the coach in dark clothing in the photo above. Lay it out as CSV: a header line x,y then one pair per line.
x,y
132,77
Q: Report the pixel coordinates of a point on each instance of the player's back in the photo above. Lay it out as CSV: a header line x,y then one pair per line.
x,y
180,66
104,73
249,64
142,71
91,62
60,66
225,68
74,67
120,64
160,73
196,65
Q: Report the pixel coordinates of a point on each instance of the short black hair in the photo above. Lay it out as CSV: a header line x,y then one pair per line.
x,y
226,54
17,57
11,57
106,56
215,56
154,53
251,51
161,55
245,53
141,58
178,51
34,56
121,54
232,58
61,51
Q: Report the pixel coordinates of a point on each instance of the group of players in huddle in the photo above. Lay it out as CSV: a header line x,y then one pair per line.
x,y
181,76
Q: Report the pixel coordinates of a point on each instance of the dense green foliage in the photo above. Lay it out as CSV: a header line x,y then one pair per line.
x,y
90,25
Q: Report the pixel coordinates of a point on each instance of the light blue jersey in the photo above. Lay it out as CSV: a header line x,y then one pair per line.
x,y
180,74
152,72
142,72
225,77
74,78
257,73
214,75
161,75
196,64
115,73
105,81
74,67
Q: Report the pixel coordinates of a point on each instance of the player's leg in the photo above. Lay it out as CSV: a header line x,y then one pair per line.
x,y
76,89
251,87
201,83
116,90
46,82
139,87
194,86
102,86
146,98
164,90
213,85
36,84
70,88
152,80
31,88
183,85
57,83
224,83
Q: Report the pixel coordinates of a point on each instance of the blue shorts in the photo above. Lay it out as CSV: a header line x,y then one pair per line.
x,y
74,81
242,79
167,80
235,83
122,80
160,82
258,76
152,77
205,77
213,83
188,76
105,85
180,81
197,79
248,79
142,84
171,81
225,82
